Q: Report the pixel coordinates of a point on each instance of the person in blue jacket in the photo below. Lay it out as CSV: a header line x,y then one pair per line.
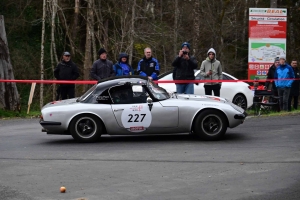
x,y
148,66
122,68
284,71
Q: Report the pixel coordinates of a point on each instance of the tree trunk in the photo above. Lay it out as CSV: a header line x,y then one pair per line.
x,y
9,96
131,40
42,55
88,45
176,27
53,46
273,3
196,26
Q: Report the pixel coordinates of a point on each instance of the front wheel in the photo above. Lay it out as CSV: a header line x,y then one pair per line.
x,y
86,128
210,125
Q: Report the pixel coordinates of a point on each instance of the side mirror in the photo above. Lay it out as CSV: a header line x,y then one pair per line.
x,y
149,100
150,104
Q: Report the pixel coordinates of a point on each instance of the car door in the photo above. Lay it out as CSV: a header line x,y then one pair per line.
x,y
138,116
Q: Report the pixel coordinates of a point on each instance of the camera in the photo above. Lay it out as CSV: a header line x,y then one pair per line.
x,y
184,52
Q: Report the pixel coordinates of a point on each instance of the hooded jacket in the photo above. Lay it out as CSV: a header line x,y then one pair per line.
x,y
284,72
213,65
119,66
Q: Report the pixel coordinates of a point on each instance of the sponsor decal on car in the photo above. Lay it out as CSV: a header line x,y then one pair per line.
x,y
136,118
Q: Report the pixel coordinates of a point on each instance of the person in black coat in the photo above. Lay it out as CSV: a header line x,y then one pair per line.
x,y
270,76
294,93
66,70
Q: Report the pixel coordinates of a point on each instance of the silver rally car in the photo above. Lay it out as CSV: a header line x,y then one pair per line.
x,y
134,105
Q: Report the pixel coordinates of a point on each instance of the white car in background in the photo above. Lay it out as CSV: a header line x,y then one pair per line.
x,y
238,93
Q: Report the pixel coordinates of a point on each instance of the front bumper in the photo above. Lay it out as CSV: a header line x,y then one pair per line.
x,y
240,116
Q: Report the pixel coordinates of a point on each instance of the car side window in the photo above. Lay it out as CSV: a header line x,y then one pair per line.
x,y
225,77
104,98
121,94
127,94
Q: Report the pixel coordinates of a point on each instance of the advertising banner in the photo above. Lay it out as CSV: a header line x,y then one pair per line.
x,y
267,39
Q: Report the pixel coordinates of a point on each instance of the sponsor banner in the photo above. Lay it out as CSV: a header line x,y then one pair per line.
x,y
267,39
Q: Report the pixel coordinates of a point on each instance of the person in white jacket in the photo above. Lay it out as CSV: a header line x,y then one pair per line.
x,y
211,69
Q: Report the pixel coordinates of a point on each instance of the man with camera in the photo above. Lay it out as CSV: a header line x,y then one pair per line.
x,y
184,66
211,69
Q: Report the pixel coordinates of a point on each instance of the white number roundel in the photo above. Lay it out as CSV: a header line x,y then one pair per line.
x,y
136,118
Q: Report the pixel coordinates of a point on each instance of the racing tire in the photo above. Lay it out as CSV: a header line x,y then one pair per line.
x,y
86,128
210,125
240,100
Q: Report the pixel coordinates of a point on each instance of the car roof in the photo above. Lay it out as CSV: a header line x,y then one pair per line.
x,y
117,80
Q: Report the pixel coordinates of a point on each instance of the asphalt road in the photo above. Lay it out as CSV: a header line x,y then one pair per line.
x,y
257,160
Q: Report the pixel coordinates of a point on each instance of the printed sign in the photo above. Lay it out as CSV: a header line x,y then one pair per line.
x,y
267,39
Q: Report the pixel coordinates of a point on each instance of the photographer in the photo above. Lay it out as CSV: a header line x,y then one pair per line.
x,y
211,69
184,66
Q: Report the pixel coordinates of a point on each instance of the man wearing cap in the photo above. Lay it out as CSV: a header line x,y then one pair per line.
x,y
148,66
102,68
284,71
294,93
211,69
184,66
66,70
122,67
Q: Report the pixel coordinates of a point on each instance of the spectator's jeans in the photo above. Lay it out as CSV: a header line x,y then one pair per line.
x,y
283,94
185,88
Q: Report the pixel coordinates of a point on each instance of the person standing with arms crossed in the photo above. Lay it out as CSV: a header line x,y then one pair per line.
x,y
66,70
211,69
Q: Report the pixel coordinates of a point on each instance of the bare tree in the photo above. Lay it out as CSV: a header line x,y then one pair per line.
x,y
131,40
9,96
42,55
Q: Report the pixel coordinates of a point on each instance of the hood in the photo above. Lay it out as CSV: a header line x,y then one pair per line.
x,y
60,103
200,97
212,50
122,55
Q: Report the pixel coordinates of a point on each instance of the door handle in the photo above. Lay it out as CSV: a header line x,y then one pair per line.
x,y
116,110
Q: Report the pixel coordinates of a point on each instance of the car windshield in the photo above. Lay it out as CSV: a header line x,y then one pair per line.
x,y
158,92
87,93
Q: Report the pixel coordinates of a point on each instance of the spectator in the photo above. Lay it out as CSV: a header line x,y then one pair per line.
x,y
66,70
211,69
122,67
148,66
294,93
270,75
184,66
272,87
284,71
102,68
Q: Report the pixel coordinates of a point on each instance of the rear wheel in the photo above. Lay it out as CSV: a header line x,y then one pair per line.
x,y
210,125
240,100
86,128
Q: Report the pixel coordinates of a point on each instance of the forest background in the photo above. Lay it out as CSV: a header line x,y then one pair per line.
x,y
84,26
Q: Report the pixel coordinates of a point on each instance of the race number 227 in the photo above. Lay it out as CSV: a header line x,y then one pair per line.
x,y
136,117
